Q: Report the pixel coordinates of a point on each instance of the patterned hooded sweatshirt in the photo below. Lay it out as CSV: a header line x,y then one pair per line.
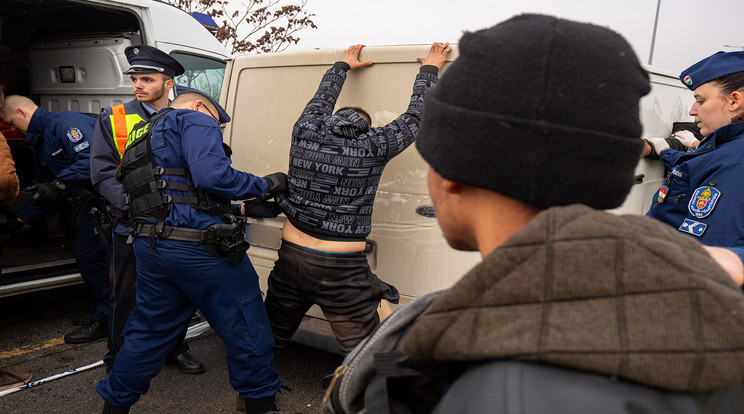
x,y
336,161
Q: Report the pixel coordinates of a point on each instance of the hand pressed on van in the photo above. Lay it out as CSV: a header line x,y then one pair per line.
x,y
351,57
437,55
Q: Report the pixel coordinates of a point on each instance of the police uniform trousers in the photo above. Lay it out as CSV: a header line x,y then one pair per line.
x,y
92,261
123,278
173,279
341,284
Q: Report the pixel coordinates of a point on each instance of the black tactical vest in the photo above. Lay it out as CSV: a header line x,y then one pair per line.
x,y
144,185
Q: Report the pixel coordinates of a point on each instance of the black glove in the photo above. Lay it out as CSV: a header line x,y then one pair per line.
x,y
48,193
258,208
277,183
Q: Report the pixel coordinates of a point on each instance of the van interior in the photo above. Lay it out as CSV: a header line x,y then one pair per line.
x,y
60,54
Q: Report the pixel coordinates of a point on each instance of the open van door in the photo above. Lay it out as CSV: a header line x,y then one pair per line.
x,y
68,55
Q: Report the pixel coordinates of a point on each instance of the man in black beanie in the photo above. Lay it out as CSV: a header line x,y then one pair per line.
x,y
530,133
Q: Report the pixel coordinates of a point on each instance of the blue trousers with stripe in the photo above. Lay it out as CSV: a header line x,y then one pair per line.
x,y
173,279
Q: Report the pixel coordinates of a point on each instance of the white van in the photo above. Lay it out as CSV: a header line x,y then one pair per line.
x,y
265,94
69,55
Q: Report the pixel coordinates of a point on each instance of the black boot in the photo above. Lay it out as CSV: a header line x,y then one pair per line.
x,y
185,363
112,409
89,333
260,405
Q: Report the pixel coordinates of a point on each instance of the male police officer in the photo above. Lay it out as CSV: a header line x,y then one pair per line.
x,y
61,143
151,73
190,253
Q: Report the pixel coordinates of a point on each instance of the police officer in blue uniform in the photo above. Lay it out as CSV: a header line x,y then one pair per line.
x,y
703,195
61,142
190,253
151,72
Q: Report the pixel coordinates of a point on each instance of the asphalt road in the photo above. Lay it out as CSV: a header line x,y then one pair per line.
x,y
31,331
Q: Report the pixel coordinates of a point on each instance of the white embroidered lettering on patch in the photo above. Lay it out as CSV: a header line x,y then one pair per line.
x,y
703,201
74,135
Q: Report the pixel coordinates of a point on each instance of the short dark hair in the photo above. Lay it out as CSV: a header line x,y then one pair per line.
x,y
731,83
359,111
191,97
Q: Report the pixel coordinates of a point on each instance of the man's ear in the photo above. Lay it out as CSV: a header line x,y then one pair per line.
x,y
169,84
21,112
451,186
197,104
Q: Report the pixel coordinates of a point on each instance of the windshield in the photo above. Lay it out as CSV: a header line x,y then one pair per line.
x,y
202,73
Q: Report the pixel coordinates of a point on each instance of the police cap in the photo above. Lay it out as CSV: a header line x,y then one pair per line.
x,y
712,67
147,59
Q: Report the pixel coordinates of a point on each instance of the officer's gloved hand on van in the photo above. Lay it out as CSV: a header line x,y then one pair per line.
x,y
258,208
277,184
48,193
657,144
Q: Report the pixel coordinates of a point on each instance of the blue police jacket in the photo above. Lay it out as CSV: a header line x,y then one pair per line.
x,y
62,145
705,190
193,141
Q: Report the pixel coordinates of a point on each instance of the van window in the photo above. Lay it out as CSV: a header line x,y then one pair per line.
x,y
202,73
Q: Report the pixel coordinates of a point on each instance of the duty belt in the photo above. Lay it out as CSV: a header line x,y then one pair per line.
x,y
167,232
220,240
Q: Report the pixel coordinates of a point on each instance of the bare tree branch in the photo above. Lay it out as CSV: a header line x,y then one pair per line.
x,y
257,26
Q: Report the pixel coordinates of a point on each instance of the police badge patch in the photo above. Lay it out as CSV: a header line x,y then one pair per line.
x,y
703,201
74,134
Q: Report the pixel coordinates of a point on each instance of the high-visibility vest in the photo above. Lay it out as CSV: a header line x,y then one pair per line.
x,y
122,124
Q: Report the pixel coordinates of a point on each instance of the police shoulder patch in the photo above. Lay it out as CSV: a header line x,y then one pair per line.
x,y
693,227
81,146
74,134
703,201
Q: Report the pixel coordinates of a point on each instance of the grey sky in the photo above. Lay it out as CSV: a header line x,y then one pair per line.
x,y
688,30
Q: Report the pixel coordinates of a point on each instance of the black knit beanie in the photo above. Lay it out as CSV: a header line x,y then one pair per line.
x,y
539,109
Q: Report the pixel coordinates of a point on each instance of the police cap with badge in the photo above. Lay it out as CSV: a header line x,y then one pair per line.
x,y
148,59
711,68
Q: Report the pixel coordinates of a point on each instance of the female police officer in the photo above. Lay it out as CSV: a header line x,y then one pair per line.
x,y
704,193
189,254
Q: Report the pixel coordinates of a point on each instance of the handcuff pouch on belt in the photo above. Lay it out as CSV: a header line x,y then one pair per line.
x,y
227,240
